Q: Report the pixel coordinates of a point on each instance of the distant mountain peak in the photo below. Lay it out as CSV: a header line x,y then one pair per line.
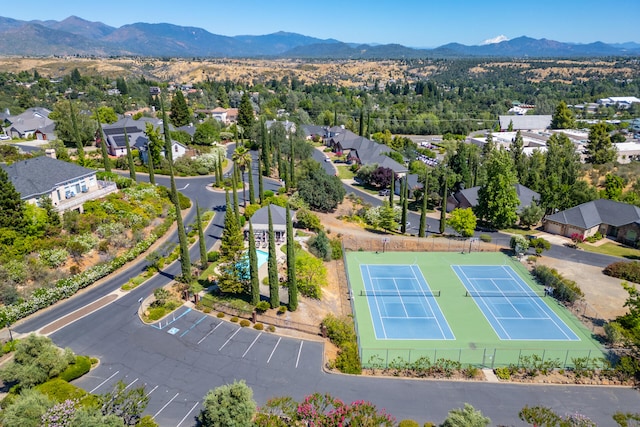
x,y
498,39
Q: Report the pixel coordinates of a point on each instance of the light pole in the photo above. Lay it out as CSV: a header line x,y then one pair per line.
x,y
10,334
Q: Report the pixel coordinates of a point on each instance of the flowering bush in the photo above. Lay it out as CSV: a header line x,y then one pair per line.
x,y
60,414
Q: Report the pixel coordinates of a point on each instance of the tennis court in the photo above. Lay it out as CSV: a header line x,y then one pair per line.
x,y
402,304
513,309
477,308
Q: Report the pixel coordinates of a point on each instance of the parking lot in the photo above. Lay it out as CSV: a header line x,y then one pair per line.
x,y
210,345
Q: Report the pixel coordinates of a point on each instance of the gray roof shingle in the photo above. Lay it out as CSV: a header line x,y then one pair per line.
x,y
41,175
601,211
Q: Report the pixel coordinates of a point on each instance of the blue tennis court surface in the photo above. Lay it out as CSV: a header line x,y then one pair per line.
x,y
402,305
512,308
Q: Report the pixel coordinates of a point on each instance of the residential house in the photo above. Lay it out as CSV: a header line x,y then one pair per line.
x,y
260,223
468,198
617,220
289,127
67,184
621,102
34,122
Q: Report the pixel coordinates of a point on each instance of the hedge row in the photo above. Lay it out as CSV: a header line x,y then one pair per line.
x,y
629,271
563,289
78,368
65,288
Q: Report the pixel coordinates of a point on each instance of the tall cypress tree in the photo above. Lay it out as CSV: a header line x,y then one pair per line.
x,y
132,166
443,211
76,134
274,297
219,167
392,189
234,184
253,268
361,130
11,205
292,180
231,243
179,110
260,186
404,197
151,167
245,113
266,153
185,259
291,265
203,245
423,209
103,146
252,195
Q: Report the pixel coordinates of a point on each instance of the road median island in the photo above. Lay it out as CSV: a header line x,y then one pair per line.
x,y
78,314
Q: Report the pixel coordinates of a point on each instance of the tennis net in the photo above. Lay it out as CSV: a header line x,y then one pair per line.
x,y
508,294
425,293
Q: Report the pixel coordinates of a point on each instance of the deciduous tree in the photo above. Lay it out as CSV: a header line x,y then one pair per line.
x,y
463,221
498,199
230,405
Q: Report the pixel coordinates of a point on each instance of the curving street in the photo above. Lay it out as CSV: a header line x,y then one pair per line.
x,y
180,361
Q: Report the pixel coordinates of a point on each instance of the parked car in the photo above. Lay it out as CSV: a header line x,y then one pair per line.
x,y
4,137
384,192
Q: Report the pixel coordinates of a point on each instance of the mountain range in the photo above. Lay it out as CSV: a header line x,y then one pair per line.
x,y
76,36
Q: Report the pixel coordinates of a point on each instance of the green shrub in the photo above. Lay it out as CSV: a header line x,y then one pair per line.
x,y
348,359
234,319
485,238
336,248
408,423
78,368
156,313
59,390
9,346
271,328
213,256
624,270
614,332
258,326
262,306
563,289
220,315
244,323
282,309
183,201
503,373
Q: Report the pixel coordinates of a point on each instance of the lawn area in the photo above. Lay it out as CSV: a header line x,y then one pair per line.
x,y
613,249
520,231
344,172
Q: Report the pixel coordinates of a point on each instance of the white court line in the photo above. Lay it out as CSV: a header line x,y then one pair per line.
x,y
152,390
375,298
426,299
185,417
227,342
210,332
103,382
299,351
165,405
247,350
130,384
274,350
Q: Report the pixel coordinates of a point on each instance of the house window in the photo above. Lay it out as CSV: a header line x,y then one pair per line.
x,y
176,148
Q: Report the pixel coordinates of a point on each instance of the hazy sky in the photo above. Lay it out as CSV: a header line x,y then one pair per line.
x,y
417,23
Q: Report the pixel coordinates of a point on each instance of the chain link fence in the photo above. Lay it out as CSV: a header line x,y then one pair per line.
x,y
423,244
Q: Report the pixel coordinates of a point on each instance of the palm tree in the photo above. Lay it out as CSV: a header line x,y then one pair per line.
x,y
242,158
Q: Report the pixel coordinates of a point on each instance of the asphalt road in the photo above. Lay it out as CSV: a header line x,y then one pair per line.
x,y
180,361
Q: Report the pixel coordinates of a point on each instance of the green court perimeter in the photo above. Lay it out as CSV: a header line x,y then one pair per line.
x,y
475,342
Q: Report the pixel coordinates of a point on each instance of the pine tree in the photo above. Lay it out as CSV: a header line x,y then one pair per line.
x,y
203,244
132,166
245,113
231,242
103,146
53,217
563,117
179,110
519,159
185,259
274,297
291,265
11,205
423,209
600,149
253,268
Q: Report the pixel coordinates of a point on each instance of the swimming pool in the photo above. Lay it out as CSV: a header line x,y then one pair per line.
x,y
262,257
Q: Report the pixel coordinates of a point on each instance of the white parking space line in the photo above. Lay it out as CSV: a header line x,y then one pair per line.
x,y
254,341
130,384
227,342
188,413
299,351
105,381
274,350
152,390
165,405
210,332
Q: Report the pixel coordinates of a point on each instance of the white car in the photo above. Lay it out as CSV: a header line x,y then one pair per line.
x,y
4,137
